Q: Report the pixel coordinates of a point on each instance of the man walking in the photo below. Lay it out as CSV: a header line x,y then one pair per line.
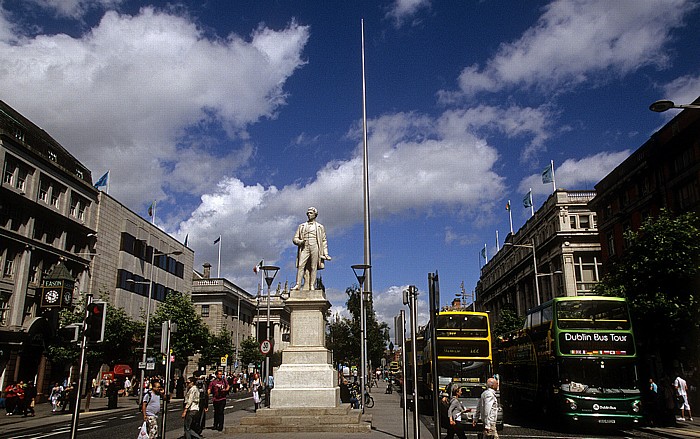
x,y
487,409
150,407
218,390
191,411
682,392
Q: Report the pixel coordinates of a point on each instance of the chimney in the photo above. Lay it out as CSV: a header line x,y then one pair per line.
x,y
207,270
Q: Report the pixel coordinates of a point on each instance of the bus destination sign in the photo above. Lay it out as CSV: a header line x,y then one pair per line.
x,y
596,343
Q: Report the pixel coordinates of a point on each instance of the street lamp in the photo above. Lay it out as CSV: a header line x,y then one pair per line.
x,y
270,273
663,105
148,315
360,271
534,263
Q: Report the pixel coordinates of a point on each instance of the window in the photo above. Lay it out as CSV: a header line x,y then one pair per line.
x,y
19,134
73,206
8,270
587,272
205,310
9,175
43,191
4,308
55,197
79,173
21,179
572,221
611,243
584,221
52,156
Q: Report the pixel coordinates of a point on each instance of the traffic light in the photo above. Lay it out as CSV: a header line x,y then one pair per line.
x,y
95,321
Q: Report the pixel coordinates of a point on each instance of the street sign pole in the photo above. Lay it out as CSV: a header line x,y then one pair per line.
x,y
76,404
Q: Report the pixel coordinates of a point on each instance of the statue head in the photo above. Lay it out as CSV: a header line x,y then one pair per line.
x,y
312,212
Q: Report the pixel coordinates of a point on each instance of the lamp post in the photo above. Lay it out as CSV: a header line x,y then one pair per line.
x,y
148,315
534,263
270,273
663,105
360,271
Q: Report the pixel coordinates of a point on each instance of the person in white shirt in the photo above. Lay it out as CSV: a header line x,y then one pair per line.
x,y
191,409
682,391
487,409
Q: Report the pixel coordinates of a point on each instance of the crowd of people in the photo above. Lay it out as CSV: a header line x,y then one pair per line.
x,y
19,398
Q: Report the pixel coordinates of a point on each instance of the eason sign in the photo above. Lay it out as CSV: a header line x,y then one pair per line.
x,y
596,343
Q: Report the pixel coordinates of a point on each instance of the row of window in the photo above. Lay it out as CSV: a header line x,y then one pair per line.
x,y
49,191
136,284
143,251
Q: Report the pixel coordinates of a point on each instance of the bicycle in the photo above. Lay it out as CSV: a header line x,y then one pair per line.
x,y
355,390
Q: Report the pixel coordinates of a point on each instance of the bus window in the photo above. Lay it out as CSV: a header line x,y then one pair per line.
x,y
536,318
547,314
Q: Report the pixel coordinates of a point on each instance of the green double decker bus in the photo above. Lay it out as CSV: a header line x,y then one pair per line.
x,y
575,360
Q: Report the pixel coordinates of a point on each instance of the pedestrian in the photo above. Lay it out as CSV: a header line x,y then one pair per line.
x,y
55,396
112,394
218,390
29,399
454,414
268,387
256,390
10,399
150,407
652,401
199,421
346,396
191,411
681,387
487,409
21,398
127,386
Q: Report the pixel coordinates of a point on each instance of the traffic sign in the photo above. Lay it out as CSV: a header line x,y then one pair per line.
x,y
142,364
265,347
224,360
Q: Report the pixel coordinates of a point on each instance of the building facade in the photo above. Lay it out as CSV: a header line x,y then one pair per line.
x,y
225,307
663,173
48,218
563,236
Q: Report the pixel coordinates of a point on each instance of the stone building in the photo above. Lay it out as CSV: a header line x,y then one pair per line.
x,y
48,218
226,307
564,237
663,173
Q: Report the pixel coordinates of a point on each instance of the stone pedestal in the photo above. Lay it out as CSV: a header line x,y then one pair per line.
x,y
306,377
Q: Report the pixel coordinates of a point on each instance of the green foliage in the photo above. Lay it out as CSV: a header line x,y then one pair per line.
x,y
250,352
344,336
658,273
509,321
217,346
192,334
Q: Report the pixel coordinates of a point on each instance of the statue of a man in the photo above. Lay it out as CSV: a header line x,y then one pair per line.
x,y
312,250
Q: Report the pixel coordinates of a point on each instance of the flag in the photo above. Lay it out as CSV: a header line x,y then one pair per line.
x,y
527,199
258,267
217,240
508,205
151,208
547,174
483,252
102,181
186,238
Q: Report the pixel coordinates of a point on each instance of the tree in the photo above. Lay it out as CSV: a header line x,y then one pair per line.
x,y
217,346
658,274
250,352
192,334
344,337
509,321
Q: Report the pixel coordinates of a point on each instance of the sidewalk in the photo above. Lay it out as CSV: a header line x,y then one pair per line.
x,y
387,422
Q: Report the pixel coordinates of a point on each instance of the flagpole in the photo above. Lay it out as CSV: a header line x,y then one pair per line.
x,y
109,177
510,216
218,270
486,255
153,218
532,205
554,180
497,244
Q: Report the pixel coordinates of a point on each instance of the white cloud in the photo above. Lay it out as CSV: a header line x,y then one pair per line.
x,y
576,174
418,164
580,41
683,90
401,11
123,95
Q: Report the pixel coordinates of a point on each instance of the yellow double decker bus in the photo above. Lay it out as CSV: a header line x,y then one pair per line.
x,y
463,346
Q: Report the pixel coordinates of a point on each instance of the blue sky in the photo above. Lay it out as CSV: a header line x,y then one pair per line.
x,y
237,116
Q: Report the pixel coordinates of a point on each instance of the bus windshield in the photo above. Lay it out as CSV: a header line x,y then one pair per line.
x,y
463,325
464,372
587,375
592,314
